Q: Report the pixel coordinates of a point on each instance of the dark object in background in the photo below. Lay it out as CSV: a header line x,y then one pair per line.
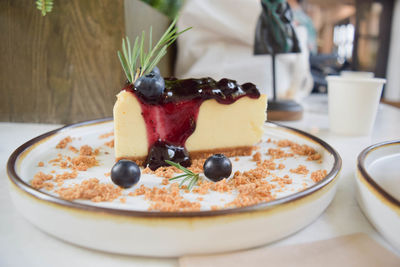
x,y
274,32
275,35
169,8
323,65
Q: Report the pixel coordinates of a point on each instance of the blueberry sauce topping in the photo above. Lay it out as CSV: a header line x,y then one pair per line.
x,y
170,113
225,91
161,151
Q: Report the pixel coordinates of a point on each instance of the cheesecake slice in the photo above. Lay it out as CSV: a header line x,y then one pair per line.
x,y
193,118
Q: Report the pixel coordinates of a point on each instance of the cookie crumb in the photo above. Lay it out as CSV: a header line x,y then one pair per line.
x,y
73,149
301,169
66,175
282,181
86,151
315,156
267,165
167,172
301,150
318,175
197,165
168,199
304,184
48,186
64,142
103,136
277,153
39,179
257,157
82,163
91,189
110,143
147,170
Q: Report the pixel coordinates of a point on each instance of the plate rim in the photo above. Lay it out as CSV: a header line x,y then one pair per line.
x,y
27,188
368,178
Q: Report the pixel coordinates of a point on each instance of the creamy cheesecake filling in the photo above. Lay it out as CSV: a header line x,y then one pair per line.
x,y
130,131
193,115
228,126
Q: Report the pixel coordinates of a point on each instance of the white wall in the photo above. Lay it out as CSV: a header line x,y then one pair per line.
x,y
392,91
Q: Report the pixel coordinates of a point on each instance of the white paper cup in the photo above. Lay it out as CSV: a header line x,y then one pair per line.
x,y
357,74
353,103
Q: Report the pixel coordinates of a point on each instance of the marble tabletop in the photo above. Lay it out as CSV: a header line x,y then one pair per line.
x,y
22,244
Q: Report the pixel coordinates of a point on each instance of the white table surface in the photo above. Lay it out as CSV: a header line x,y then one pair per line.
x,y
22,244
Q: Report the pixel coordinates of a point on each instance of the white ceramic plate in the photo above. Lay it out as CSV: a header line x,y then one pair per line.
x,y
378,184
129,228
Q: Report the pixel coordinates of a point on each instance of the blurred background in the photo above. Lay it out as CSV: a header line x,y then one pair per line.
x,y
63,67
355,34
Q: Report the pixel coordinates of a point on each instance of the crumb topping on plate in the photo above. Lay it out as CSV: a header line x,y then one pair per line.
x,y
277,168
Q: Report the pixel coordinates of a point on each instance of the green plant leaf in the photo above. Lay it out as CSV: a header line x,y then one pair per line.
x,y
188,175
45,6
136,61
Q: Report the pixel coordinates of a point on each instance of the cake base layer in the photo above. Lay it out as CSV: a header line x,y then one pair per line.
x,y
229,152
204,154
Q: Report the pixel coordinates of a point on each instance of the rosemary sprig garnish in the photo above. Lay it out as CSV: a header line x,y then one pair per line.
x,y
188,175
45,6
136,61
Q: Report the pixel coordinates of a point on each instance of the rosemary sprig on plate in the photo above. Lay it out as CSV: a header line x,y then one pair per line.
x,y
136,61
188,175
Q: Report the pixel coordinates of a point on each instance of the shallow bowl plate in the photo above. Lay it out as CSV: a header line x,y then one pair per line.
x,y
378,188
130,228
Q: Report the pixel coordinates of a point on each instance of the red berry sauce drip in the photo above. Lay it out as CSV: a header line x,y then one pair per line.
x,y
172,118
170,122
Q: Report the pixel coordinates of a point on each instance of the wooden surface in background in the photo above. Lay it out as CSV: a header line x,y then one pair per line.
x,y
63,67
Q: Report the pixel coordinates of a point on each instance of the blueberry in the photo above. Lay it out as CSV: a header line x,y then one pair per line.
x,y
217,167
150,87
125,173
156,70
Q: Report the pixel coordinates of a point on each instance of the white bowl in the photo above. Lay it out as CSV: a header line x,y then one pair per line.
x,y
378,188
